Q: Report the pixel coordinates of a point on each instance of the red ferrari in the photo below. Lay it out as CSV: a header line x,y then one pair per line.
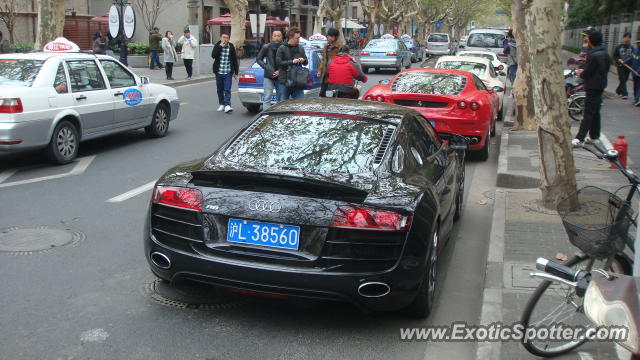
x,y
455,102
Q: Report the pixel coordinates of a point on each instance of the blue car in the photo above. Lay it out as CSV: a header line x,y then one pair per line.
x,y
251,82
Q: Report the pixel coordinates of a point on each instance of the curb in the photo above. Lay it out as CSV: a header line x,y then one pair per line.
x,y
188,82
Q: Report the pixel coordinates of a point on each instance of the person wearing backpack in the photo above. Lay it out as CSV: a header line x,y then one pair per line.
x,y
290,59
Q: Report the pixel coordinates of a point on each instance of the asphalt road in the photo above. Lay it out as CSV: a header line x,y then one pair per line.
x,y
91,300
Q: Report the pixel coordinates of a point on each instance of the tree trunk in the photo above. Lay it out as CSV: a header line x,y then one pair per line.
x,y
238,9
557,171
523,97
50,21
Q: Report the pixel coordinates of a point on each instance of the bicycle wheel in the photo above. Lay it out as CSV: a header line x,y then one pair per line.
x,y
558,304
576,109
635,203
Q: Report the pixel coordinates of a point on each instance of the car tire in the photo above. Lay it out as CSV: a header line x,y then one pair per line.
x,y
64,144
159,123
501,114
483,154
375,70
493,130
423,303
253,108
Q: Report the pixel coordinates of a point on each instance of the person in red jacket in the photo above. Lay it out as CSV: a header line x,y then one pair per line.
x,y
342,71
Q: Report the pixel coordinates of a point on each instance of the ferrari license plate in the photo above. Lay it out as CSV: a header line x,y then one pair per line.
x,y
263,234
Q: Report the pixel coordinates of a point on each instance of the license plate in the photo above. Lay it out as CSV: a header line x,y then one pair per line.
x,y
329,93
433,123
263,234
274,99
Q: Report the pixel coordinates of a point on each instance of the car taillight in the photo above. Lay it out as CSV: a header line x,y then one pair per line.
x,y
462,105
368,97
364,53
502,55
308,79
10,106
181,197
474,106
392,53
247,78
370,219
380,98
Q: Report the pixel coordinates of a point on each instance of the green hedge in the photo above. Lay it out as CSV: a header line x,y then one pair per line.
x,y
21,47
142,48
573,49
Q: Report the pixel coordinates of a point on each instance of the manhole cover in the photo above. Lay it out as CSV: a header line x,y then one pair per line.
x,y
27,241
188,295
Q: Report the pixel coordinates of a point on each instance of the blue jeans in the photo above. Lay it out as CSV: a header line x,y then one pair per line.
x,y
511,72
155,59
293,93
282,91
269,87
223,83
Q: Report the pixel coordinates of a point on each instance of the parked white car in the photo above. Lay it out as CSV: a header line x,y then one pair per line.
x,y
482,68
498,66
55,100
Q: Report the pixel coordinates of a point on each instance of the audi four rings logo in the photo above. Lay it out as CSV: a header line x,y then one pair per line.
x,y
263,205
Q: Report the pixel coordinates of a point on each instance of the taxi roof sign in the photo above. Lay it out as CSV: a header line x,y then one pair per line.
x,y
387,36
61,44
405,37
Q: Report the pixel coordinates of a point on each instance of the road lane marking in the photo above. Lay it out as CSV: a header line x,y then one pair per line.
x,y
131,193
7,174
79,168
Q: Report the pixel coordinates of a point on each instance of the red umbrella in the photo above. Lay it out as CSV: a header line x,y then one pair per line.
x,y
104,18
272,21
224,20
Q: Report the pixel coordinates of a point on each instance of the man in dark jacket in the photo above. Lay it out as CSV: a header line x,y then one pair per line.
x,y
267,60
154,47
225,66
290,55
634,61
622,53
330,50
595,74
342,72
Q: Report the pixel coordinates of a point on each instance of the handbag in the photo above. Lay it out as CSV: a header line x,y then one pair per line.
x,y
297,77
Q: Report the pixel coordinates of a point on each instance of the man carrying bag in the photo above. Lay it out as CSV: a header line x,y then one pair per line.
x,y
290,59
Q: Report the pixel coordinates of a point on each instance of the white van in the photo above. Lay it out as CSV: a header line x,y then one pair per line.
x,y
487,40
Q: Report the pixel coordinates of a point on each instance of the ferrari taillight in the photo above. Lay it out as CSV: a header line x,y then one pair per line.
x,y
370,219
380,98
462,105
180,197
474,106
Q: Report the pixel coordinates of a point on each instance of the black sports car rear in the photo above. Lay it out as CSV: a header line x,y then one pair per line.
x,y
325,198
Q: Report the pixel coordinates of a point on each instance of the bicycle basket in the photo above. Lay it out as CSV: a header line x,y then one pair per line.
x,y
596,221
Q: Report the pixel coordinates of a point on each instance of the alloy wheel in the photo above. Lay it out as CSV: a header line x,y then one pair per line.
x,y
66,142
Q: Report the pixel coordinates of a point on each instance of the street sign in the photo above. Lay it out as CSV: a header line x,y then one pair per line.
x,y
253,18
438,24
129,23
114,21
263,23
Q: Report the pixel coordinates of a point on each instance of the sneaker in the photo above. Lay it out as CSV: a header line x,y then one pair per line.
x,y
637,104
576,143
228,109
221,108
624,97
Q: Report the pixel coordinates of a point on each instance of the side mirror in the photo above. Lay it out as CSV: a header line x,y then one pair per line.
x,y
497,89
144,80
384,82
458,142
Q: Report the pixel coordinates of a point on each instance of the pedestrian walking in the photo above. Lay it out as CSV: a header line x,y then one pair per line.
x,y
170,54
99,44
511,50
634,61
342,73
622,53
189,46
330,50
154,47
5,47
595,74
267,60
225,66
290,58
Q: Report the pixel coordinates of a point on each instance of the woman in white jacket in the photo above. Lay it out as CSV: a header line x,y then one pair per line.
x,y
170,55
189,48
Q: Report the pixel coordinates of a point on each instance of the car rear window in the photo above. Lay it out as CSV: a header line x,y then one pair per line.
x,y
438,38
485,56
381,44
318,144
19,72
472,67
487,40
429,83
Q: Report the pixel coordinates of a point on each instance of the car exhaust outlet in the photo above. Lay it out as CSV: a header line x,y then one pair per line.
x,y
474,140
160,260
373,289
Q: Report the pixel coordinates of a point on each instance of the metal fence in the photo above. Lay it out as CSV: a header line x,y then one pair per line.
x,y
612,28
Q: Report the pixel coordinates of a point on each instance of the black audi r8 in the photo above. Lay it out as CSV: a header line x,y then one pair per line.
x,y
320,198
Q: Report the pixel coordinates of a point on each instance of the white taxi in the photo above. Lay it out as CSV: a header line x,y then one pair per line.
x,y
482,68
55,99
